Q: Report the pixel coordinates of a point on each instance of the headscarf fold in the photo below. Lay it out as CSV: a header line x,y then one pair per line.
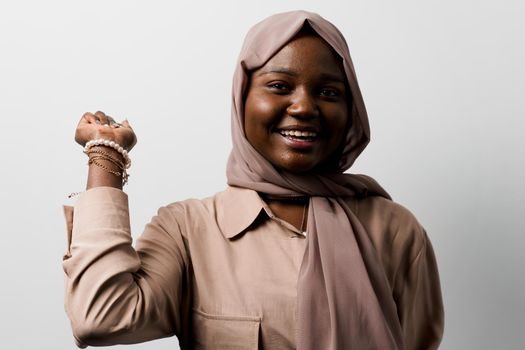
x,y
343,297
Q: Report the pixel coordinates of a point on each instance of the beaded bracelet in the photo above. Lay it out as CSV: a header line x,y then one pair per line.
x,y
112,144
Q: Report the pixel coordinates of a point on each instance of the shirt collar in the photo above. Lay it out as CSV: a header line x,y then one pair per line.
x,y
237,209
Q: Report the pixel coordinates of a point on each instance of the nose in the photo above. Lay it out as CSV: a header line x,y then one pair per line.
x,y
303,105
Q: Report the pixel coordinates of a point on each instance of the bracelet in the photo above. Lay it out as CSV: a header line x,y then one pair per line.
x,y
95,155
95,161
73,194
123,174
112,144
100,154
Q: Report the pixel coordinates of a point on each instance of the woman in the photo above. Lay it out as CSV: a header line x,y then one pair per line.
x,y
293,254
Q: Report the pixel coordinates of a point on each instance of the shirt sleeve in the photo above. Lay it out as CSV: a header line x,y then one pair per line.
x,y
419,301
115,294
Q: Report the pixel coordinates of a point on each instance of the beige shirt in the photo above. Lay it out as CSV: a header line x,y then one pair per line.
x,y
221,273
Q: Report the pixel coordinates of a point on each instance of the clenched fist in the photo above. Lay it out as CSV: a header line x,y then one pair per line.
x,y
101,126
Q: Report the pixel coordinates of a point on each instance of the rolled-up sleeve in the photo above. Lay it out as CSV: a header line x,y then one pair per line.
x,y
115,294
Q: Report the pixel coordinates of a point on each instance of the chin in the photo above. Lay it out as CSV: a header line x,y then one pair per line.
x,y
303,163
301,168
298,167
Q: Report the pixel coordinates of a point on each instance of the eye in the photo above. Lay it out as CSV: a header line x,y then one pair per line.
x,y
279,87
329,92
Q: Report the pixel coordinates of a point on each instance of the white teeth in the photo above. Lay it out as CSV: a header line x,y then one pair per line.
x,y
298,133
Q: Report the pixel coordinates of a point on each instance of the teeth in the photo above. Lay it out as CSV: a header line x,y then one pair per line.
x,y
298,133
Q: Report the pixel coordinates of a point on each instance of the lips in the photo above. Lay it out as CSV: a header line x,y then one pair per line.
x,y
301,138
298,133
302,133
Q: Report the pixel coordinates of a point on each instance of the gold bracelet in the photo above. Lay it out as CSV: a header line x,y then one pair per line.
x,y
94,160
123,175
96,155
104,155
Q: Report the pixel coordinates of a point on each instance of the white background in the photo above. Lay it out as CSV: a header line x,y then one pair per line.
x,y
443,82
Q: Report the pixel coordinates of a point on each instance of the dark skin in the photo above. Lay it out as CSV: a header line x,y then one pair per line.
x,y
99,125
300,89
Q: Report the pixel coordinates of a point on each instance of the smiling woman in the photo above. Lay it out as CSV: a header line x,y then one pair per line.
x,y
296,110
294,254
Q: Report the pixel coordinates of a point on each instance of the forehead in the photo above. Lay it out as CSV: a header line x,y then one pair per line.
x,y
306,54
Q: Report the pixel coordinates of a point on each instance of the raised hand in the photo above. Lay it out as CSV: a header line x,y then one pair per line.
x,y
106,164
101,126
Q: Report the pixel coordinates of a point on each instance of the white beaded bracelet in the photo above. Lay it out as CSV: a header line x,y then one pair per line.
x,y
112,144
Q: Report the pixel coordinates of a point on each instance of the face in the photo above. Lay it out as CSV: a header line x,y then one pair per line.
x,y
296,109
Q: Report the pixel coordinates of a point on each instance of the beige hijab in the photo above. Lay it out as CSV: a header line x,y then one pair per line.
x,y
344,300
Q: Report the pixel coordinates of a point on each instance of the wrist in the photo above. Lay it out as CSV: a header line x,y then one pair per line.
x,y
110,152
108,163
98,177
109,144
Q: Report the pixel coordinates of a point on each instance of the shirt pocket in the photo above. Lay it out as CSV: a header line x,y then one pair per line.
x,y
220,332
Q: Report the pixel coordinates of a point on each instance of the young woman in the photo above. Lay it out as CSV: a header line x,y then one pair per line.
x,y
293,254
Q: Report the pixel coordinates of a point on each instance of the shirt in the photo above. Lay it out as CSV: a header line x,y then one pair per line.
x,y
221,273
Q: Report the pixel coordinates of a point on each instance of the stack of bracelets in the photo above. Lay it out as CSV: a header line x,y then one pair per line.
x,y
96,155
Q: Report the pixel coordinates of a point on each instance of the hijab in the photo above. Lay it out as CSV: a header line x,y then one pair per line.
x,y
343,298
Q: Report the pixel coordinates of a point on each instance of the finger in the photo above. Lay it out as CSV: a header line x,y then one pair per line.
x,y
125,124
113,123
87,121
88,118
102,117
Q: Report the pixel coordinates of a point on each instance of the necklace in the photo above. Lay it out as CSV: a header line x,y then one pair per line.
x,y
295,200
303,228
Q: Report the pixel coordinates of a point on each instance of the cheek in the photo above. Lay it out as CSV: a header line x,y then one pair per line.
x,y
339,126
338,122
261,110
255,119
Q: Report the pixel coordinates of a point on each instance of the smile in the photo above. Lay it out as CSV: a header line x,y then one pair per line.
x,y
298,134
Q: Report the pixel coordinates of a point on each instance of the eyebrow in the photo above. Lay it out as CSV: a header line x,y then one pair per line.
x,y
281,70
284,70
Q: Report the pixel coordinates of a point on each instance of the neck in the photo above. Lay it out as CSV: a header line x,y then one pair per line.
x,y
290,209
